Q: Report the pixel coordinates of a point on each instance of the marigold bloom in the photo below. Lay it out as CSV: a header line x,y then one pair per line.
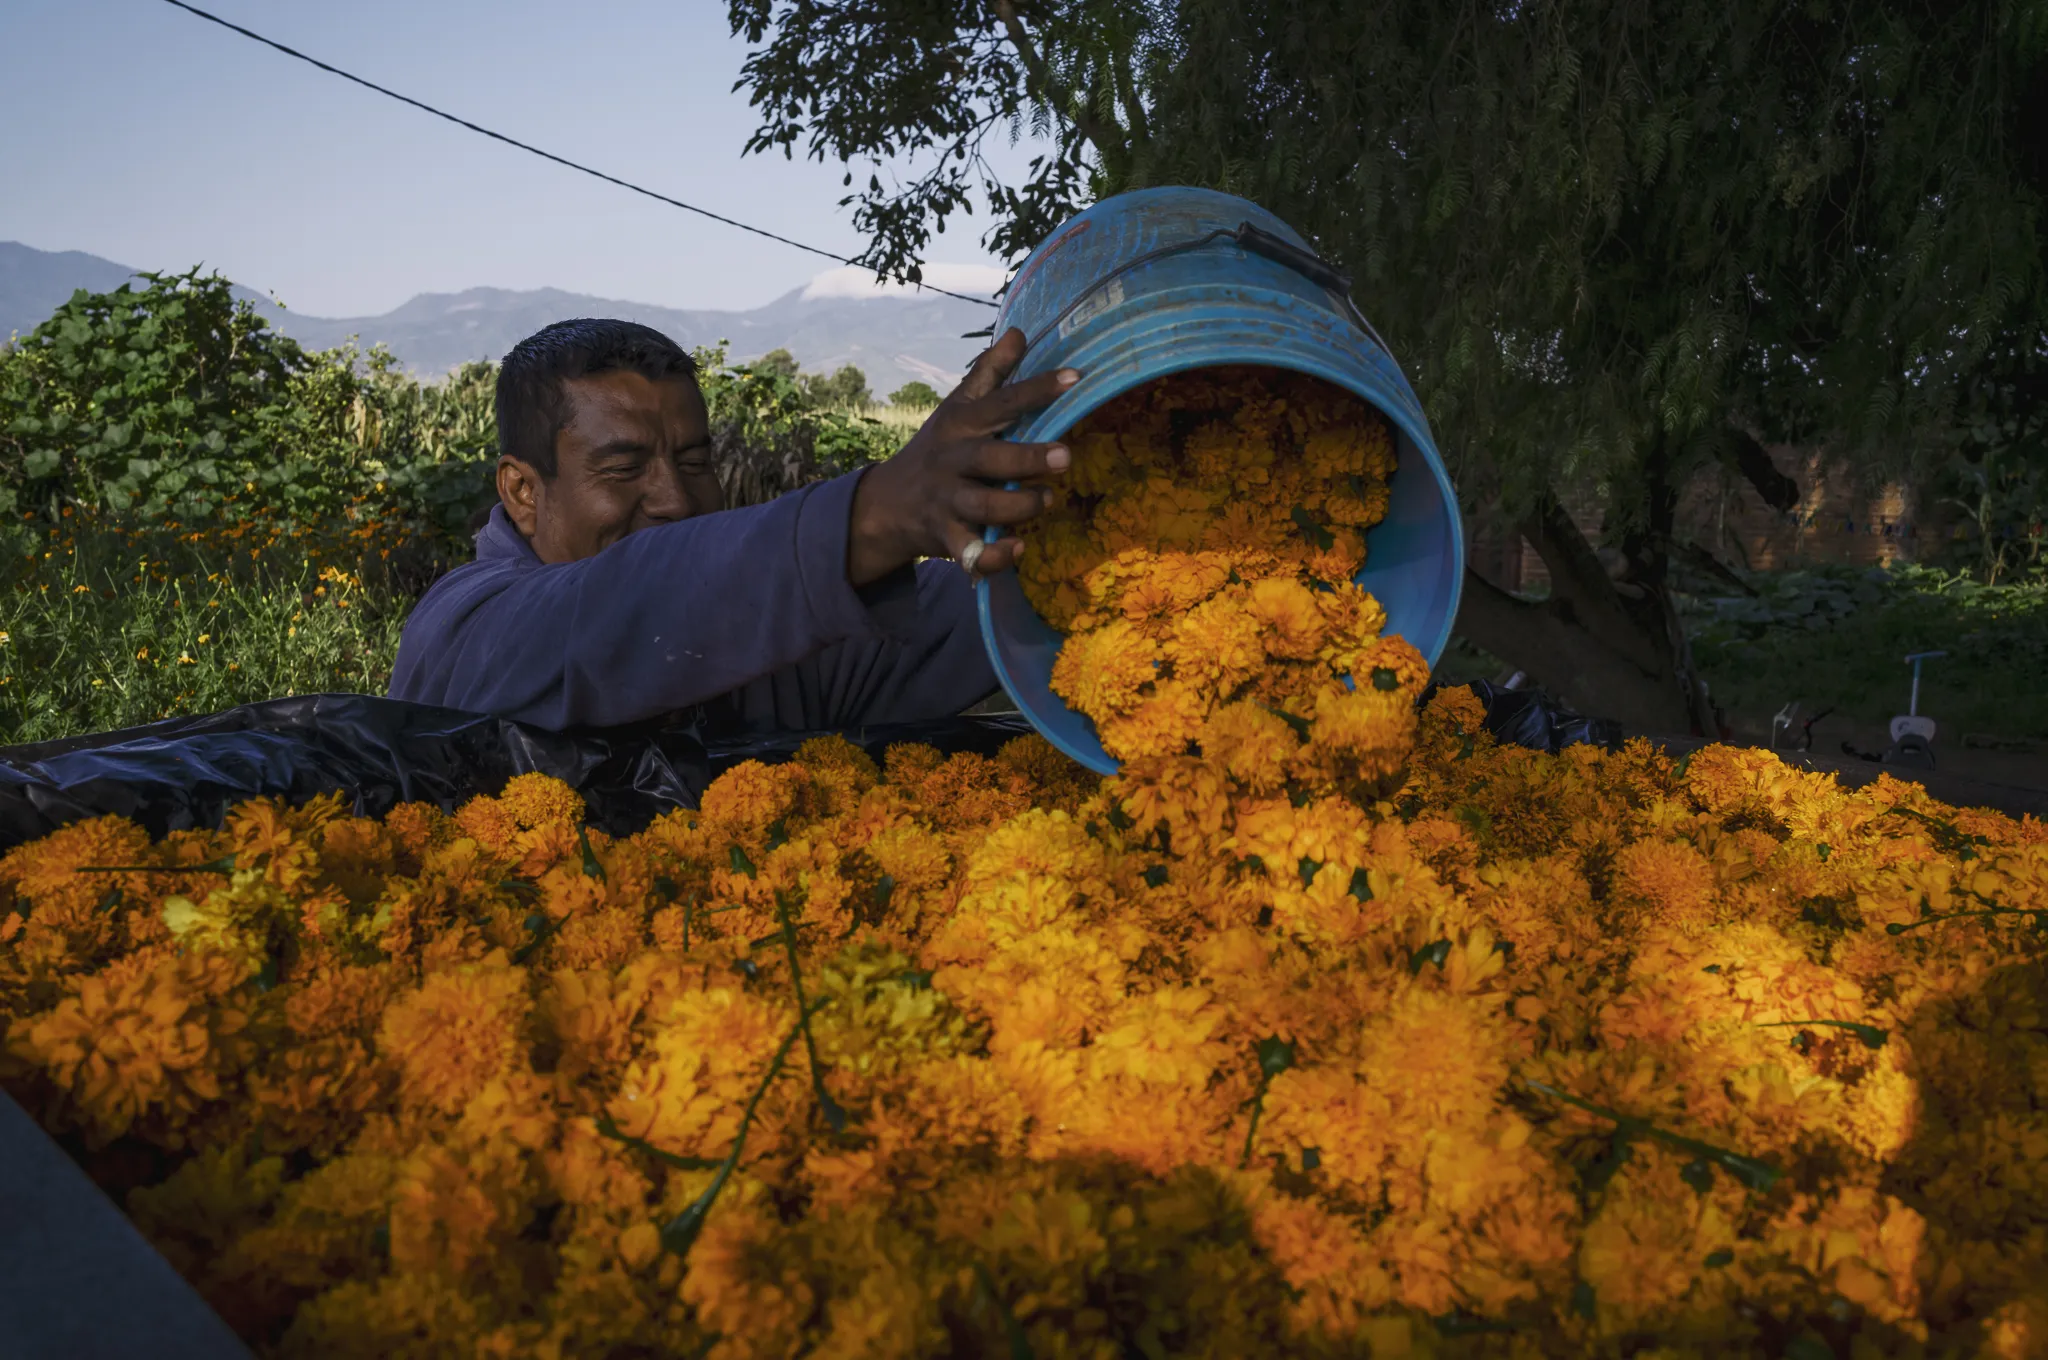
x,y
459,1030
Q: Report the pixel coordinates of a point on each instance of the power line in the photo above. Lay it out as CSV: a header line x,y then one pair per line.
x,y
544,155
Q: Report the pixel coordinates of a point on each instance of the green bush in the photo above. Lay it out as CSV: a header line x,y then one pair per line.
x,y
165,400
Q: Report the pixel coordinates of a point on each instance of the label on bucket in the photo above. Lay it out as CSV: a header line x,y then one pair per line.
x,y
1112,295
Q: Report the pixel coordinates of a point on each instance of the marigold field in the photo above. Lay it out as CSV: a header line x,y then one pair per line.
x,y
1327,1027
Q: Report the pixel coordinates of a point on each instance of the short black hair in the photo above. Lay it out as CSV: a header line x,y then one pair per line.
x,y
531,411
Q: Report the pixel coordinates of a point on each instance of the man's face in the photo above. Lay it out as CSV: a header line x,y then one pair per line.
x,y
634,453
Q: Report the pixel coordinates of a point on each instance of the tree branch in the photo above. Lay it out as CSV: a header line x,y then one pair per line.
x,y
1107,139
1581,587
1127,90
1754,462
1552,644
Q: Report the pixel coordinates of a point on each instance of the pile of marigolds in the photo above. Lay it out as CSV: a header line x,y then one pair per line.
x,y
1337,1030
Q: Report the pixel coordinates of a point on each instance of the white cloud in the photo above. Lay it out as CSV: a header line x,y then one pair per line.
x,y
847,281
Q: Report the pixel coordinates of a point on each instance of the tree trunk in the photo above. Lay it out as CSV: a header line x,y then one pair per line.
x,y
1611,649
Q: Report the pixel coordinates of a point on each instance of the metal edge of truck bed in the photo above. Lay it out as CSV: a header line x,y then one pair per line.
x,y
77,1281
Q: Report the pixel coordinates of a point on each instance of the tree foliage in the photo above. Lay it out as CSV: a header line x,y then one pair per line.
x,y
844,386
1609,241
915,394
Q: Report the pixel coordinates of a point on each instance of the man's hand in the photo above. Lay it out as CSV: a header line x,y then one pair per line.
x,y
932,499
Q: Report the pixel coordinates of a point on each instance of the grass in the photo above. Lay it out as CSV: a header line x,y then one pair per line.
x,y
1837,638
103,628
904,420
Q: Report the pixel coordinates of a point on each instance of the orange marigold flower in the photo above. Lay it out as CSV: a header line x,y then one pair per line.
x,y
154,1042
458,1031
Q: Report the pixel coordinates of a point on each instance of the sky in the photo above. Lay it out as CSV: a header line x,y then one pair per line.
x,y
145,135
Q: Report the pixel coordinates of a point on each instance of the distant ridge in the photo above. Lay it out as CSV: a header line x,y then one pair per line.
x,y
893,339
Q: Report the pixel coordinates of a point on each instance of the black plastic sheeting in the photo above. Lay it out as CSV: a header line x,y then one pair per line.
x,y
187,772
1529,717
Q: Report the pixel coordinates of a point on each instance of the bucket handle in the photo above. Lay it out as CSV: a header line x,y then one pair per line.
x,y
1258,241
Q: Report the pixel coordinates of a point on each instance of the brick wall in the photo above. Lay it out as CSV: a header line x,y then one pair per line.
x,y
1836,521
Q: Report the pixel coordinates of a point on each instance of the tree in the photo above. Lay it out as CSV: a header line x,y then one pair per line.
x,y
915,394
1609,241
777,363
846,387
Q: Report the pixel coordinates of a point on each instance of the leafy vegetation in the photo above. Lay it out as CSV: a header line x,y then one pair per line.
x,y
105,627
1835,638
919,395
195,512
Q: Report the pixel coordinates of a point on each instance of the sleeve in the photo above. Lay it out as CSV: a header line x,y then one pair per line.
x,y
933,667
663,619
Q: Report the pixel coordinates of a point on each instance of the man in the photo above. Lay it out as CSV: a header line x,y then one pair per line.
x,y
612,587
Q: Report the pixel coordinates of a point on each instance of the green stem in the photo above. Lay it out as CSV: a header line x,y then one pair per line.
x,y
1871,1035
834,1116
224,865
680,1232
1258,1108
2040,918
542,933
608,1129
1757,1175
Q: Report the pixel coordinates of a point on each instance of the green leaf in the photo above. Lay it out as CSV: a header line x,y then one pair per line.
x,y
591,868
1808,1346
737,857
543,929
1312,531
1870,1035
1434,952
1361,885
1584,1302
1751,1172
1311,1158
1276,1055
884,889
1300,725
1308,869
1719,1257
1383,678
1699,1174
1155,877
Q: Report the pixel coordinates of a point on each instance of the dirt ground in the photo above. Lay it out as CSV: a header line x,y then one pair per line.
x,y
2021,764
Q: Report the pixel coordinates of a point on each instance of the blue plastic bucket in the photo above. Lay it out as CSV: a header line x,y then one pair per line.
x,y
1162,281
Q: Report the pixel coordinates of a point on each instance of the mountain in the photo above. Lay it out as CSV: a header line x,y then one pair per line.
x,y
891,336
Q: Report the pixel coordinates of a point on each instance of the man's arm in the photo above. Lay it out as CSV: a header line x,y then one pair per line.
x,y
663,619
937,668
